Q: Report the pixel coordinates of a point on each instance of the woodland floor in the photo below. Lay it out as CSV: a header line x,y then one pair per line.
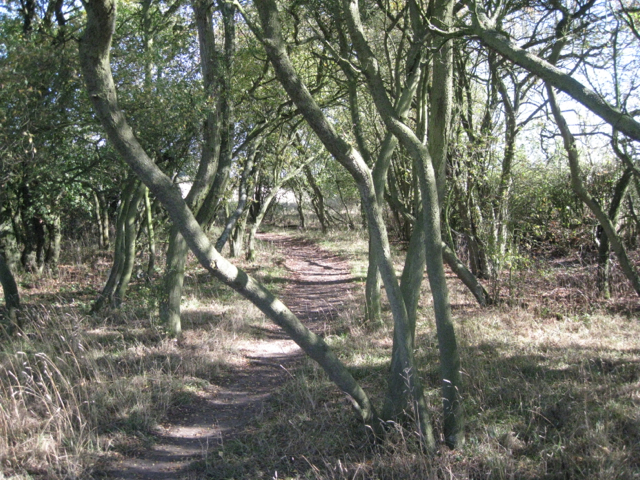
x,y
317,284
551,375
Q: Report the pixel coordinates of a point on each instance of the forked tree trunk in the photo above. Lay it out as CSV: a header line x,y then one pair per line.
x,y
106,296
128,249
211,157
351,159
449,357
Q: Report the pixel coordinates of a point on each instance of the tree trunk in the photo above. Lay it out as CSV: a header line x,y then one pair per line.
x,y
129,245
266,203
317,199
173,282
106,296
151,238
11,295
468,278
299,195
354,163
98,211
243,194
449,358
54,231
198,199
237,239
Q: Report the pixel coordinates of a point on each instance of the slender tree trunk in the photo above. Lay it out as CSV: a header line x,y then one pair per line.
x,y
243,194
104,212
604,249
299,196
54,231
354,163
266,203
237,239
264,207
173,282
98,210
106,296
11,295
468,278
317,200
449,357
211,203
210,162
129,245
151,266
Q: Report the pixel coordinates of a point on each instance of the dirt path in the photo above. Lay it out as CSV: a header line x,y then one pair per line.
x,y
319,282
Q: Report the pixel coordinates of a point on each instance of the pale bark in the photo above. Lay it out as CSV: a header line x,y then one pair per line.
x,y
151,237
94,54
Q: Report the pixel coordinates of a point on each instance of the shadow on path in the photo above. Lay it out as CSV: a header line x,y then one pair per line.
x,y
318,286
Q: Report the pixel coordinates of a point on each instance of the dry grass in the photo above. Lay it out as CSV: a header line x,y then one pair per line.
x,y
552,383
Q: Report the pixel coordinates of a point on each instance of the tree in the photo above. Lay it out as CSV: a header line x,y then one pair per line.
x,y
95,59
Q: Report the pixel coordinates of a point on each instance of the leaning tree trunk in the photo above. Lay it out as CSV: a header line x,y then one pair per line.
x,y
94,55
351,159
576,183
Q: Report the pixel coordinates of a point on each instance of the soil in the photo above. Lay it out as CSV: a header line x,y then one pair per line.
x,y
318,284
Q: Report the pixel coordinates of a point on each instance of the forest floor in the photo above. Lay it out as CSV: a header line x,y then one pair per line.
x,y
316,286
551,375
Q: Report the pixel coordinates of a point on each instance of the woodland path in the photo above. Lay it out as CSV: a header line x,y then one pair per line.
x,y
318,283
